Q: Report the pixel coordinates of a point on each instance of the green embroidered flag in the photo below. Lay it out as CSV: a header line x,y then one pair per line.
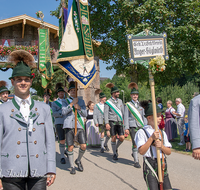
x,y
45,65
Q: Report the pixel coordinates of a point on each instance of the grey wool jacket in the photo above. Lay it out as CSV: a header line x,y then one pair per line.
x,y
130,121
98,117
57,113
21,148
69,121
194,122
109,113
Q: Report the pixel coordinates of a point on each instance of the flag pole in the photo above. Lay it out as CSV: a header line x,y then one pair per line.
x,y
76,109
152,84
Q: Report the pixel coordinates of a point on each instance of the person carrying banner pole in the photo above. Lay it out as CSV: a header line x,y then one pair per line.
x,y
134,119
68,109
99,120
113,115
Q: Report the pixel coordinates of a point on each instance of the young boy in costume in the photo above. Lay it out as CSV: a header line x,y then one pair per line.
x,y
98,117
147,139
134,119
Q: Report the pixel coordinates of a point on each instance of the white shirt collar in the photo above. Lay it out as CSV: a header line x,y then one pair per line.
x,y
19,100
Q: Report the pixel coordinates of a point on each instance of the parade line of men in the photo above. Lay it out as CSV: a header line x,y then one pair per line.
x,y
27,136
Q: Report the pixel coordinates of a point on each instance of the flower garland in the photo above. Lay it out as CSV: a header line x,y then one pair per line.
x,y
4,50
38,13
157,64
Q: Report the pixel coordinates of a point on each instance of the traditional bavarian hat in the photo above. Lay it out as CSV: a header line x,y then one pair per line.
x,y
112,87
148,108
71,85
101,94
134,88
23,61
59,87
3,87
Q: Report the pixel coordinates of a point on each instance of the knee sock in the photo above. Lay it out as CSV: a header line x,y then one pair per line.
x,y
113,144
62,150
119,143
106,141
80,154
102,142
71,158
135,154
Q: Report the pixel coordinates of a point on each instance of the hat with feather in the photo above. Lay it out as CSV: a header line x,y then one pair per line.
x,y
71,85
3,87
23,62
48,92
101,94
134,88
148,108
59,87
112,87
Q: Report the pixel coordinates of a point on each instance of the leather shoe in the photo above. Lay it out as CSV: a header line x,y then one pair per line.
x,y
106,148
80,167
115,157
137,165
73,171
62,161
102,150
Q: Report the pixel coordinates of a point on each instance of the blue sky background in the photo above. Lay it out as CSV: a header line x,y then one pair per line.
x,y
14,8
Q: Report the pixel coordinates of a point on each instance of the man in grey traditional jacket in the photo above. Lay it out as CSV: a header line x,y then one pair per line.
x,y
68,109
194,126
98,117
27,144
59,120
134,119
113,115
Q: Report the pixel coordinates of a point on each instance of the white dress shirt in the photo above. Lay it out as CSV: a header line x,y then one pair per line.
x,y
141,139
180,110
24,106
136,103
101,106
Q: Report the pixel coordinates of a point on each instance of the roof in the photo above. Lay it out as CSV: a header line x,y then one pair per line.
x,y
25,19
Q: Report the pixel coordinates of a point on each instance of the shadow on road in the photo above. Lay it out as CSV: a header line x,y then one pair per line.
x,y
62,166
109,158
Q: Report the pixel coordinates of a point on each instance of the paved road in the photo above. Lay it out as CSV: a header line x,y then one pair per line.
x,y
102,173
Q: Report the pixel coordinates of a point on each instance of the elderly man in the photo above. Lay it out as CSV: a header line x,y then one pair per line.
x,y
4,92
180,119
27,144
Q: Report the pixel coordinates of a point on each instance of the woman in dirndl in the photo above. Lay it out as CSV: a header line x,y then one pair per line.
x,y
170,122
93,134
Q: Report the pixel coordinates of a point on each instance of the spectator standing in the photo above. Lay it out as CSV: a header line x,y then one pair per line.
x,y
93,135
180,119
186,135
170,122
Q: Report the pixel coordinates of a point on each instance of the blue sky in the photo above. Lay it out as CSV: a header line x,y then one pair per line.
x,y
19,7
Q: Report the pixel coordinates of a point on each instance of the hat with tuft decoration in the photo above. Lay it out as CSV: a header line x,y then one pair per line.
x,y
112,87
3,87
101,94
23,62
134,88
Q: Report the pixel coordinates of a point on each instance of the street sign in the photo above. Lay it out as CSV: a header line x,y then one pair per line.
x,y
146,45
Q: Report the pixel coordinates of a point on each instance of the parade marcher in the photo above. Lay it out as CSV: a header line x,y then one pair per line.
x,y
27,144
147,140
194,126
47,95
4,92
134,119
59,120
68,109
99,120
92,131
113,115
180,119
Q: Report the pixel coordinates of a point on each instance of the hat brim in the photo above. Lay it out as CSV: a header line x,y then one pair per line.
x,y
5,91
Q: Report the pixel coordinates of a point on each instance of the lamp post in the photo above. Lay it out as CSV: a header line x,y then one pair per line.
x,y
123,95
